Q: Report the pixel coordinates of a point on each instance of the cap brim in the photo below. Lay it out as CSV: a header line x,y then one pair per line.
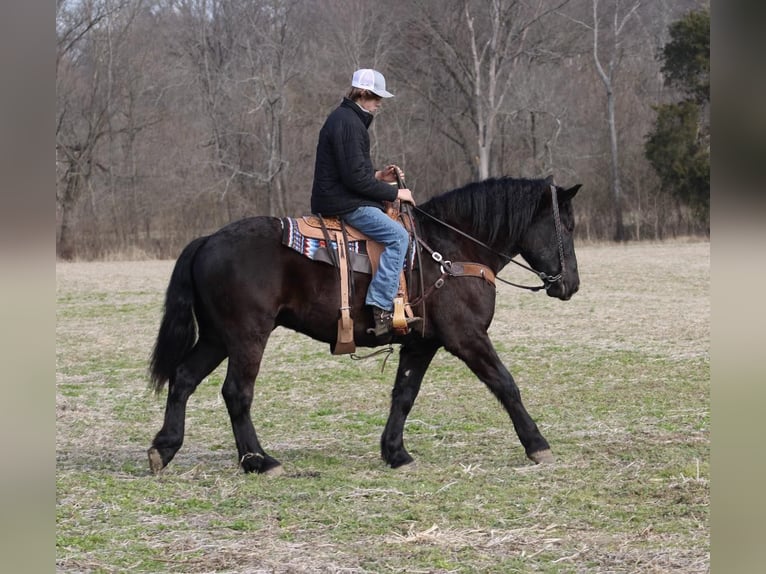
x,y
382,93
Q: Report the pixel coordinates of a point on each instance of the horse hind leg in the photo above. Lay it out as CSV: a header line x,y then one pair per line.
x,y
201,361
238,394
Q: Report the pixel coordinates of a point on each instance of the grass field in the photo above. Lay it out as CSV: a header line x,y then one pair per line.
x,y
618,380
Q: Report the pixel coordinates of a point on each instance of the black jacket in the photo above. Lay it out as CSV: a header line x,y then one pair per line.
x,y
344,177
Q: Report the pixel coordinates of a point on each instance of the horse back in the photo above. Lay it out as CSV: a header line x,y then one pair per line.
x,y
247,280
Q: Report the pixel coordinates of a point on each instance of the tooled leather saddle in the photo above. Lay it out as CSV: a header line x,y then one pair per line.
x,y
330,240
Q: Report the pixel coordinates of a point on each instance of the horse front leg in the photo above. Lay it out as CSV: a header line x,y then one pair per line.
x,y
477,351
413,363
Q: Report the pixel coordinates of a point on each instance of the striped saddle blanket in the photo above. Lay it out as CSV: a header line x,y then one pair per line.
x,y
300,235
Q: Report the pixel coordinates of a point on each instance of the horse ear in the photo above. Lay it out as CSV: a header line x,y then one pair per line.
x,y
549,180
571,192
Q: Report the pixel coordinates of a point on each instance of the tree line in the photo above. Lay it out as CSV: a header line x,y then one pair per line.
x,y
175,117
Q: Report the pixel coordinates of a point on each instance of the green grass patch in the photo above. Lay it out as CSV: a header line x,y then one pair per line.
x,y
618,380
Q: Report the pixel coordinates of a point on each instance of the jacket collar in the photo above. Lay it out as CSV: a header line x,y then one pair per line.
x,y
363,114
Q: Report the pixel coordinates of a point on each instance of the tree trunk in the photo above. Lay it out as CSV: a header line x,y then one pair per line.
x,y
607,77
619,228
67,203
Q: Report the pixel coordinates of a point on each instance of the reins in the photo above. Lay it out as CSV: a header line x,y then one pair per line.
x,y
548,280
405,208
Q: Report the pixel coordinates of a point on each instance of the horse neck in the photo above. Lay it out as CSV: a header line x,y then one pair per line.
x,y
495,213
473,246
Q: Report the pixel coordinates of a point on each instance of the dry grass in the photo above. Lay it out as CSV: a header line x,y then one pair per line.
x,y
617,378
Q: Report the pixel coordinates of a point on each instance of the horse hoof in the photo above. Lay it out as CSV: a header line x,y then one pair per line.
x,y
155,461
542,457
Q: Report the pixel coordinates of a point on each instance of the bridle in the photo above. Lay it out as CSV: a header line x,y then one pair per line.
x,y
548,280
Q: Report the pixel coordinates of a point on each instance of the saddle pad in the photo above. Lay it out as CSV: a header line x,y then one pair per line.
x,y
316,248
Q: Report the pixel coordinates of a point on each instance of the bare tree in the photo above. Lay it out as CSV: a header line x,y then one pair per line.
x,y
76,133
475,50
176,116
89,34
274,57
606,67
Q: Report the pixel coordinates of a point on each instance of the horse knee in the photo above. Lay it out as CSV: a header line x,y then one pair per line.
x,y
237,397
179,390
183,383
403,399
505,390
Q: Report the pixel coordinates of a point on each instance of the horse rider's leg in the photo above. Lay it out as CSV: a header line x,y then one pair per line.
x,y
478,353
238,394
202,359
414,359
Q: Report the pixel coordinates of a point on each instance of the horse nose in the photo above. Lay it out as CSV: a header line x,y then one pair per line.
x,y
569,288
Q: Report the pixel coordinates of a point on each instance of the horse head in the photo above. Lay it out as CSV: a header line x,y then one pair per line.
x,y
548,244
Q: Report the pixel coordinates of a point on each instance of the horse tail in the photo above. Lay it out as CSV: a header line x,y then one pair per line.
x,y
178,329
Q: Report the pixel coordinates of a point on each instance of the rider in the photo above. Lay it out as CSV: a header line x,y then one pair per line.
x,y
347,185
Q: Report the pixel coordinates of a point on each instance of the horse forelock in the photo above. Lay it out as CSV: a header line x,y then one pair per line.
x,y
492,209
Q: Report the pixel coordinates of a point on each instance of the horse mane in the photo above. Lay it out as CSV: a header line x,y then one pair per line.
x,y
490,209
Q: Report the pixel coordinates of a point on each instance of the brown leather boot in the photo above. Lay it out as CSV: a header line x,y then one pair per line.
x,y
382,320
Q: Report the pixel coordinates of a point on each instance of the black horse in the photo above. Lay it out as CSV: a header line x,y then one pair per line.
x,y
241,282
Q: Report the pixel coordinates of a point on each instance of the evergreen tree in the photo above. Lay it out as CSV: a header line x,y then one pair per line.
x,y
679,145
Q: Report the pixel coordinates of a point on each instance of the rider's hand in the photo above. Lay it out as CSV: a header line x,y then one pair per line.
x,y
405,195
388,173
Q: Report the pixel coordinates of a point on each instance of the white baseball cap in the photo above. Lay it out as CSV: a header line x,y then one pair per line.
x,y
371,80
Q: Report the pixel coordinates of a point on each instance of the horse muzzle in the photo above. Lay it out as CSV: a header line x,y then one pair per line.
x,y
562,288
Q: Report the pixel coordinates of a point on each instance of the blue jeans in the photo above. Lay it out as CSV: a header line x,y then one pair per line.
x,y
374,223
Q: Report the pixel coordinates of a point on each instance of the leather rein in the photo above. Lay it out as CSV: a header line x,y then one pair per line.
x,y
447,266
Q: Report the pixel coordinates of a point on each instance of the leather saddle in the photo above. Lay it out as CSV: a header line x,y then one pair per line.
x,y
332,230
